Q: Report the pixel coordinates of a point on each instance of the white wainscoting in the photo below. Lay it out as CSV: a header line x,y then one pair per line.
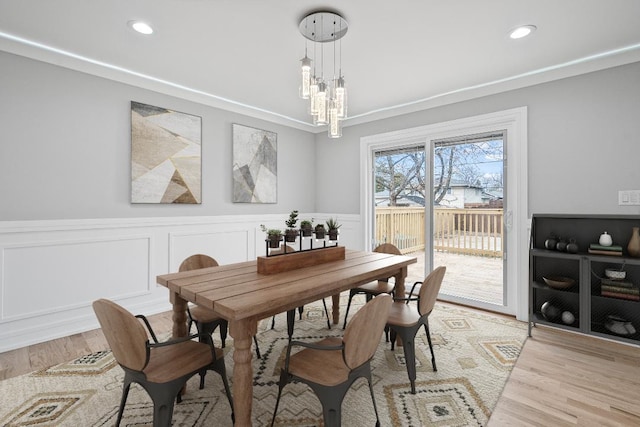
x,y
51,271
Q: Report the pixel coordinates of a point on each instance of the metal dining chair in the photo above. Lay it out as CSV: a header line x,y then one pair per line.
x,y
406,319
331,366
290,319
381,286
161,368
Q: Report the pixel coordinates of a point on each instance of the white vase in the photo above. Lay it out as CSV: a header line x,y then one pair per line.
x,y
605,239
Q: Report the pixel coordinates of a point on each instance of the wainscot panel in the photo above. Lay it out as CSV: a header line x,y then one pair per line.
x,y
51,271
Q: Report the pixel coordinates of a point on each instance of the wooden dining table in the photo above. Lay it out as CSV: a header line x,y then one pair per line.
x,y
241,295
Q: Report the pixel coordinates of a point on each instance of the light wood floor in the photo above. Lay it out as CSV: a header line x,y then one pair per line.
x,y
560,378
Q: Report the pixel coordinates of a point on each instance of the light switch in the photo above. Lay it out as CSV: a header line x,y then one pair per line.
x,y
629,197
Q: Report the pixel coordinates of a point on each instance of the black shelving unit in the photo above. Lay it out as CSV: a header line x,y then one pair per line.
x,y
583,300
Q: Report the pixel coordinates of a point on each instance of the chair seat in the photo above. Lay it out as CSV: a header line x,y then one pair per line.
x,y
404,315
192,355
324,367
202,314
376,288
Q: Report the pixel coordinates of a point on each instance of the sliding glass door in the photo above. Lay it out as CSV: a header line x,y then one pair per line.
x,y
467,210
455,194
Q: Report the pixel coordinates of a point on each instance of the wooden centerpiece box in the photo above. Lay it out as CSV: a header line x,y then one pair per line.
x,y
294,260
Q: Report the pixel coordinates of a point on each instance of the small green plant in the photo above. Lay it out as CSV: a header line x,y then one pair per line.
x,y
332,224
271,231
293,219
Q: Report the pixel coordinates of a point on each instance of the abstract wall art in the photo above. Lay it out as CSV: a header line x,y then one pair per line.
x,y
166,155
255,166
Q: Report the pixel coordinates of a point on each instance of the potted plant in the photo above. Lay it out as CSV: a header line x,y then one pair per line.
x,y
306,227
291,233
320,231
274,236
332,226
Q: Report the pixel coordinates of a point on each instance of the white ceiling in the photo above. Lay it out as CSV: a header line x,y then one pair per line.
x,y
398,56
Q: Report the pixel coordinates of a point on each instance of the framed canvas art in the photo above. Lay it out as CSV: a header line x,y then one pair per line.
x,y
166,155
255,165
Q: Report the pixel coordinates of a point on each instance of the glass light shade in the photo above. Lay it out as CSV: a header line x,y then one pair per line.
x,y
313,90
340,96
306,77
335,124
321,104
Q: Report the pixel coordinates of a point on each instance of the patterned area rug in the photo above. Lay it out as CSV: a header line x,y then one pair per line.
x,y
475,353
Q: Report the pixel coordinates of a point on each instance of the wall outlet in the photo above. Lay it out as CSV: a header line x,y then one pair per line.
x,y
628,197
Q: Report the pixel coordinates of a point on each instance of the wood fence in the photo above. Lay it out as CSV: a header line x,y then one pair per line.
x,y
462,231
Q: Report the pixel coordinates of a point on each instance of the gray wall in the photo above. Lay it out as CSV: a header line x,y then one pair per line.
x,y
65,149
584,143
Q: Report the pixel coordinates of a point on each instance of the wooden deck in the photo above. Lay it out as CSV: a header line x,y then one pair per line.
x,y
474,277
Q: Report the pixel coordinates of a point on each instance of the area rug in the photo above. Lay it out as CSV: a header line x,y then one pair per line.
x,y
475,353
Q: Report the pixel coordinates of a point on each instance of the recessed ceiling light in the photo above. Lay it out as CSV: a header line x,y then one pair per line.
x,y
141,27
522,31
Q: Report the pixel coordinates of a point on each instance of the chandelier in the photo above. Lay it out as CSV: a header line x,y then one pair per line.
x,y
327,99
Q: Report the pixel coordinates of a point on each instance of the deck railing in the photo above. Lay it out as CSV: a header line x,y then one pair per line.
x,y
462,231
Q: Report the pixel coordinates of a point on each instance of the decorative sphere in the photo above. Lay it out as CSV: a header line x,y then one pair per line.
x,y
568,318
550,312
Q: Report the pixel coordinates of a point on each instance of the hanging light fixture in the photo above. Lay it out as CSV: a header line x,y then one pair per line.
x,y
327,102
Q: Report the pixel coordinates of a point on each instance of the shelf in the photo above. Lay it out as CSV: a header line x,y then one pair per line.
x,y
541,285
600,297
584,298
599,329
539,319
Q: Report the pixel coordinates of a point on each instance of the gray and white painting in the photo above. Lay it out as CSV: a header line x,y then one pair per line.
x,y
255,165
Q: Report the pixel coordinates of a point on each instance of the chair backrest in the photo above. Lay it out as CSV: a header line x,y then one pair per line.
x,y
429,290
124,333
387,248
197,261
363,333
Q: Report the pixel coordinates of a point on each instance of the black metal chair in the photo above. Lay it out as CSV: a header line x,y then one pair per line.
x,y
405,320
330,366
162,369
381,286
301,308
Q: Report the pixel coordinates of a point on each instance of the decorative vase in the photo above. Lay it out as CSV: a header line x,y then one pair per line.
x,y
605,239
634,243
561,245
551,242
572,246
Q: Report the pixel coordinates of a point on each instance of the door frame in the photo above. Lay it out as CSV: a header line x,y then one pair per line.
x,y
514,122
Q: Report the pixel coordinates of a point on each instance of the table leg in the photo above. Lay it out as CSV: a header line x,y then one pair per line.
x,y
399,282
335,310
242,332
179,315
399,291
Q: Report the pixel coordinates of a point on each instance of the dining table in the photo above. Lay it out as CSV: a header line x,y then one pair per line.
x,y
240,294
